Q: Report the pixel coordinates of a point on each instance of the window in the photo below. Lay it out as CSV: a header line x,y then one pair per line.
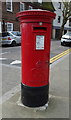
x,y
4,34
9,5
59,19
9,26
30,7
59,5
16,33
65,31
22,7
57,33
70,22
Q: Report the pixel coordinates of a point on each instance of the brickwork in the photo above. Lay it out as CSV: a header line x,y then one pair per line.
x,y
8,16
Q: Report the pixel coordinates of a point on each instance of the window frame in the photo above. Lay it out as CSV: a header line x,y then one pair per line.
x,y
59,5
11,10
23,6
30,7
59,19
11,26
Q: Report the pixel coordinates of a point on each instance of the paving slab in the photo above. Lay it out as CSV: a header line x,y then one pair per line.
x,y
58,106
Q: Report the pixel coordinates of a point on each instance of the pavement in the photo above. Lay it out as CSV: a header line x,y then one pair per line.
x,y
58,106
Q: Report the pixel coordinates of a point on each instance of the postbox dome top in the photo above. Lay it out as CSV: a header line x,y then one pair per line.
x,y
35,14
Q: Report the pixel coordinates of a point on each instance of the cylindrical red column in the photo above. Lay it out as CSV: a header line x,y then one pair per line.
x,y
36,34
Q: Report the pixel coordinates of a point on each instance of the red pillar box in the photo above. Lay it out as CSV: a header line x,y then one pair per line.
x,y
36,34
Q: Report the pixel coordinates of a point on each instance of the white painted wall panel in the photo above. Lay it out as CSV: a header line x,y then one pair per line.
x,y
0,27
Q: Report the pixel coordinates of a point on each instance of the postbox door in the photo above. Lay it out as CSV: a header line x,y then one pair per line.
x,y
40,62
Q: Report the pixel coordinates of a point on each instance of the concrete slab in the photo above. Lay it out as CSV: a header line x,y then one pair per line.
x,y
11,77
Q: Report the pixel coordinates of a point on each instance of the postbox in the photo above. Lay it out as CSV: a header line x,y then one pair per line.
x,y
36,34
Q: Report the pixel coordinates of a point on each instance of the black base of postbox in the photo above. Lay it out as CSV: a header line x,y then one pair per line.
x,y
34,96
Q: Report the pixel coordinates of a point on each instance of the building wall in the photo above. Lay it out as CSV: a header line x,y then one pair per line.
x,y
10,17
56,25
0,10
0,15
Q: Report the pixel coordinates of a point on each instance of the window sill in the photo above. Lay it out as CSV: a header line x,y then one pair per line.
x,y
9,11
